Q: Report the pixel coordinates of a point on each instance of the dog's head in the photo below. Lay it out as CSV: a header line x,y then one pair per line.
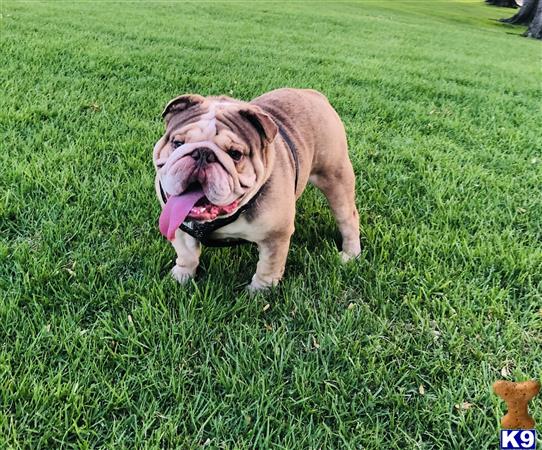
x,y
217,146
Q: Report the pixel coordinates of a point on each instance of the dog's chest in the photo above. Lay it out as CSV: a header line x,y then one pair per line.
x,y
240,229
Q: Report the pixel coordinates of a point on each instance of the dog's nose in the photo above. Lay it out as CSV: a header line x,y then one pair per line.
x,y
203,155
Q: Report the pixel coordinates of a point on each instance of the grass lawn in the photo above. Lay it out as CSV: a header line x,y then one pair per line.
x,y
100,348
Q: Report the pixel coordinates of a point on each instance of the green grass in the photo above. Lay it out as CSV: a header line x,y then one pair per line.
x,y
100,348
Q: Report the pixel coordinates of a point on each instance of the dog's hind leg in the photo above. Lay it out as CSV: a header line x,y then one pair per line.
x,y
339,189
188,251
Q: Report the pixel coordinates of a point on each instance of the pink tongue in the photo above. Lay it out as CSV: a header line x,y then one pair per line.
x,y
175,211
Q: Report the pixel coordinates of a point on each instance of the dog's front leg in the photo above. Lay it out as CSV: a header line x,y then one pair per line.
x,y
272,260
188,250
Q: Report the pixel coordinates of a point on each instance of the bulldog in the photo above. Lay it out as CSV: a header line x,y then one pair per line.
x,y
229,171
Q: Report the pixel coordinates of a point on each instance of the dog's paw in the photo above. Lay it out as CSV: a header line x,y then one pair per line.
x,y
254,289
258,285
181,274
351,250
347,257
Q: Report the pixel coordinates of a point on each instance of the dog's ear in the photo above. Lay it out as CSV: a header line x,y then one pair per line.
x,y
181,103
264,124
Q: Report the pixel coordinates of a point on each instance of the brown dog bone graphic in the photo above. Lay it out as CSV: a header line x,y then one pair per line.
x,y
517,397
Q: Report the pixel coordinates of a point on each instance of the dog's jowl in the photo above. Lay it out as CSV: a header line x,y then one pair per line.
x,y
229,171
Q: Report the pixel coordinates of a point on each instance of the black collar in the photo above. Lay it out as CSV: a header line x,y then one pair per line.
x,y
202,231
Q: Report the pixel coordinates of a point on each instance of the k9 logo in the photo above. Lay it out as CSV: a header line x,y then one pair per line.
x,y
522,439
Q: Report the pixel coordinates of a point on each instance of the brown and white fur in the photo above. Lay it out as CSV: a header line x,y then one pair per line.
x,y
223,123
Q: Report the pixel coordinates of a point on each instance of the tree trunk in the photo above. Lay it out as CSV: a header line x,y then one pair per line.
x,y
525,15
505,3
535,28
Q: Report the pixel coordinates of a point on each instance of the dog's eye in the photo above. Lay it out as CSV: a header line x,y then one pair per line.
x,y
236,155
176,143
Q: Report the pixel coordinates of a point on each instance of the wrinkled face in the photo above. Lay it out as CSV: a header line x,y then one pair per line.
x,y
215,144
